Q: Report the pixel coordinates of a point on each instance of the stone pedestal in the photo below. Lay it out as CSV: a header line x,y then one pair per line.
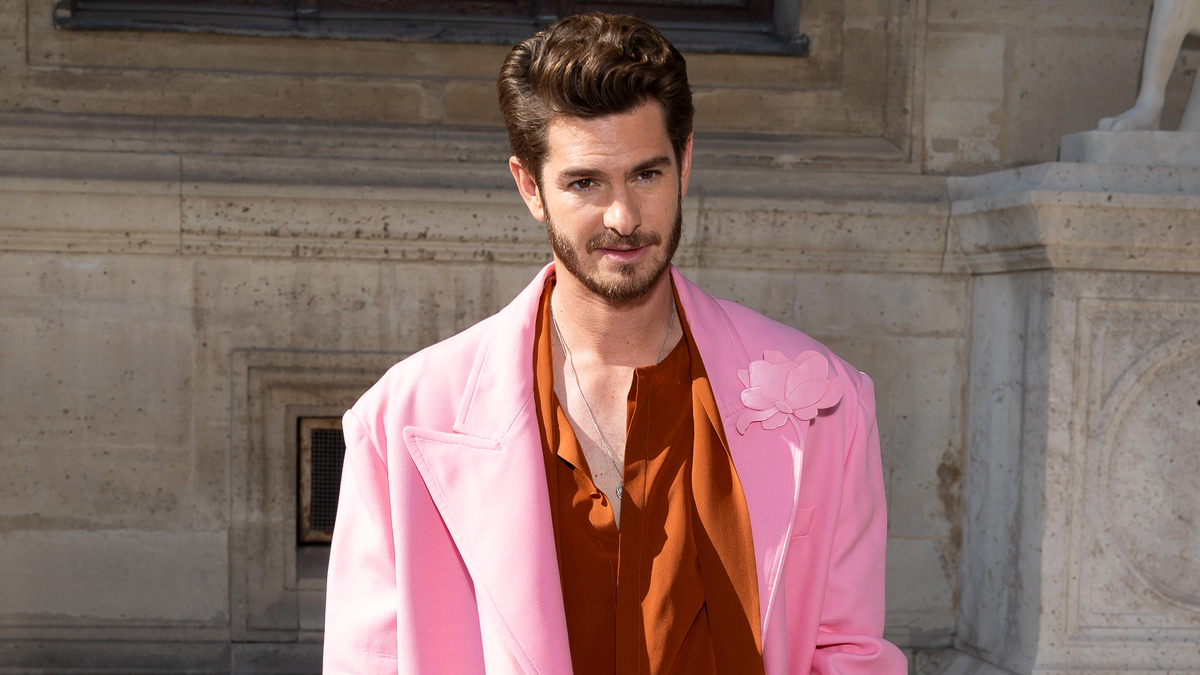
x,y
1133,148
1081,543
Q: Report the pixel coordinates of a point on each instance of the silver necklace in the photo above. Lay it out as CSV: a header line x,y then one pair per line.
x,y
578,387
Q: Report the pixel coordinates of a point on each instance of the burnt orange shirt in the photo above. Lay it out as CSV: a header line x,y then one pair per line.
x,y
674,589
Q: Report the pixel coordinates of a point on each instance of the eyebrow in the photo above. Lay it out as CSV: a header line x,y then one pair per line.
x,y
575,173
660,162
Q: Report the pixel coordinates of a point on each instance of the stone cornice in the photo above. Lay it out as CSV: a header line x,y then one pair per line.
x,y
379,223
280,190
271,151
1076,217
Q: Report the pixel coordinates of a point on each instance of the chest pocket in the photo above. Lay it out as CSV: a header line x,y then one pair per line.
x,y
804,518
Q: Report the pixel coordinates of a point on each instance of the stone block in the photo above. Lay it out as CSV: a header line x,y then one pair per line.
x,y
921,578
80,657
953,662
195,94
113,576
135,174
1133,148
931,307
72,657
1076,216
12,41
472,103
98,399
268,659
965,67
377,223
88,215
464,61
1064,14
964,100
174,51
765,72
821,234
926,430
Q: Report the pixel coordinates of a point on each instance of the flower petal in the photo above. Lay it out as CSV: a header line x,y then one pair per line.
x,y
812,366
775,421
807,413
754,399
806,393
783,407
751,416
771,377
774,358
744,376
833,392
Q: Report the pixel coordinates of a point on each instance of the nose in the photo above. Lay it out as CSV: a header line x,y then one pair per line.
x,y
623,215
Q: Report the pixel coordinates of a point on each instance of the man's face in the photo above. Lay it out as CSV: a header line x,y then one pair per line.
x,y
610,195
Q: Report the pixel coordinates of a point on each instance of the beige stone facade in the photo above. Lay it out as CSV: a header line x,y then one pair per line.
x,y
204,238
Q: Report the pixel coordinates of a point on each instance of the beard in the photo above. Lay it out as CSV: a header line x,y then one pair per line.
x,y
631,281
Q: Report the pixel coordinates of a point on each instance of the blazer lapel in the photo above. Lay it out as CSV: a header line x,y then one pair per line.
x,y
488,480
768,463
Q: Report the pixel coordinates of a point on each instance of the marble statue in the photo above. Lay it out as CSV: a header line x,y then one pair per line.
x,y
1171,22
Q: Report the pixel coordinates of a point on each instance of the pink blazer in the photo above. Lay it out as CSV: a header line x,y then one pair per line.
x,y
443,559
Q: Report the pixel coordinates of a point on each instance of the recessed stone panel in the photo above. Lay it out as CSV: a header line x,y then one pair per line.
x,y
1131,578
1153,474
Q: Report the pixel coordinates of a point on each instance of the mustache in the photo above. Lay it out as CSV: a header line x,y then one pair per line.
x,y
610,239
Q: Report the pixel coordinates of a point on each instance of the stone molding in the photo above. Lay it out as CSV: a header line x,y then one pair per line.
x,y
1076,216
425,156
1133,148
81,656
861,79
77,214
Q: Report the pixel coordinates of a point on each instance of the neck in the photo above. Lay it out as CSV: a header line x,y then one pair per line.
x,y
629,334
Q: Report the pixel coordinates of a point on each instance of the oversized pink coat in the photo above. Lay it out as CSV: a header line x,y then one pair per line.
x,y
444,560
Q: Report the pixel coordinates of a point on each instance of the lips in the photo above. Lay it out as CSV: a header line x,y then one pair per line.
x,y
623,255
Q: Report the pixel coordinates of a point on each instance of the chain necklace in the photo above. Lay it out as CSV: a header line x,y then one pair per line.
x,y
575,375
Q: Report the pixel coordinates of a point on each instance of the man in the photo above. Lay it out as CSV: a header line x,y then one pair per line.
x,y
616,473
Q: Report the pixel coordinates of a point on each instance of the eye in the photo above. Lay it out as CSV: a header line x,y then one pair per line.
x,y
583,184
649,175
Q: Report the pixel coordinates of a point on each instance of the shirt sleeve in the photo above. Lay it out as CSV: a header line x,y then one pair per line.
x,y
850,636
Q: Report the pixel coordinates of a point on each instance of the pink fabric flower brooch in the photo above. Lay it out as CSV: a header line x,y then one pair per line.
x,y
778,390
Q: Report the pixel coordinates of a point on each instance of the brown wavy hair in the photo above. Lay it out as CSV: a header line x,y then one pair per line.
x,y
591,65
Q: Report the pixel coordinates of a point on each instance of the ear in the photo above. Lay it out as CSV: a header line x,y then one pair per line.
x,y
685,166
528,187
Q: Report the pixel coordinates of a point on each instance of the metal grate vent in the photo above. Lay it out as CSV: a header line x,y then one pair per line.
x,y
322,450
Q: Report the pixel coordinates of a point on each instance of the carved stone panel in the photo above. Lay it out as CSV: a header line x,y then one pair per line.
x,y
1133,583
